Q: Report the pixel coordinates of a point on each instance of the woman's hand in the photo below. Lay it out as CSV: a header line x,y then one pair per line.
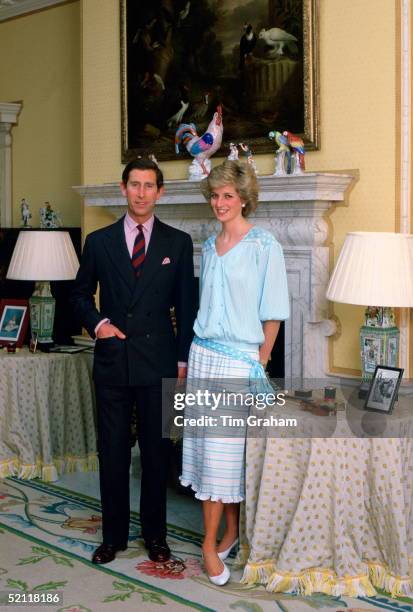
x,y
182,373
270,329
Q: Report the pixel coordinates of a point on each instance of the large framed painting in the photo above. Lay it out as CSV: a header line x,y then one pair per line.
x,y
181,58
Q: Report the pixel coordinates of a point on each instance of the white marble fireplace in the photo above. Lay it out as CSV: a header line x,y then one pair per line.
x,y
294,209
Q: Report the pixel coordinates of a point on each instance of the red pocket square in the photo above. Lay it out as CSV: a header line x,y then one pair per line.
x,y
166,261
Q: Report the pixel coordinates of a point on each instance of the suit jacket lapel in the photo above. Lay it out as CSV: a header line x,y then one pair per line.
x,y
115,244
153,259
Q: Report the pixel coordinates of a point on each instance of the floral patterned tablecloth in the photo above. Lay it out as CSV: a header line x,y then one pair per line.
x,y
331,515
47,421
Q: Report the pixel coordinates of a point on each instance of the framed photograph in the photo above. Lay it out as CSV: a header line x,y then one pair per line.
x,y
179,60
383,389
14,319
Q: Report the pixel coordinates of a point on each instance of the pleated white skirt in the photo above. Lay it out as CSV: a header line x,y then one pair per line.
x,y
214,466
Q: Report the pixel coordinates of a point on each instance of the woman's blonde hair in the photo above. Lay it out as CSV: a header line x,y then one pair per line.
x,y
239,174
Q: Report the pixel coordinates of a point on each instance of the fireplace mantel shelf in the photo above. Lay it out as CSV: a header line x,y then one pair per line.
x,y
306,187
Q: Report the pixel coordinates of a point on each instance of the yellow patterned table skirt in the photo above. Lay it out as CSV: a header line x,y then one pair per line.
x,y
47,422
331,515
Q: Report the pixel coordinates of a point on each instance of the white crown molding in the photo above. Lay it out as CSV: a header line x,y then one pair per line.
x,y
20,7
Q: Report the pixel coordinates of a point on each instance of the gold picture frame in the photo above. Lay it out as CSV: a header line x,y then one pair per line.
x,y
159,74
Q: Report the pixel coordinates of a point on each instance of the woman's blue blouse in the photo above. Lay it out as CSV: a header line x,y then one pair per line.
x,y
241,289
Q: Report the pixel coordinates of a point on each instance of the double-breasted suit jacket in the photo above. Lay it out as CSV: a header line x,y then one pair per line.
x,y
139,308
129,372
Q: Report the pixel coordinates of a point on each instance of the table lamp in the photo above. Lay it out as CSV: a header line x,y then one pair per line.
x,y
375,269
43,256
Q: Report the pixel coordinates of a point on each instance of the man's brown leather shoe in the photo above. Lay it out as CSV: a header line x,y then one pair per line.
x,y
158,550
105,553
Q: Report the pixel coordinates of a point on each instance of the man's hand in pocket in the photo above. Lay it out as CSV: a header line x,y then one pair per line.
x,y
107,330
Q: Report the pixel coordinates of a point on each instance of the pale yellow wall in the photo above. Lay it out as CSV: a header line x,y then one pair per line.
x,y
358,102
40,66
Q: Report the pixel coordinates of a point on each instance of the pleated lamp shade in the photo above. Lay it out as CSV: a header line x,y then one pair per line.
x,y
374,269
43,256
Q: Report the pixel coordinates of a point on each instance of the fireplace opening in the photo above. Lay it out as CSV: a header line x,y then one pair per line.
x,y
276,365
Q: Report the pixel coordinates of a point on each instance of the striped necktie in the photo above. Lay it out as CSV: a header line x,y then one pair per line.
x,y
138,253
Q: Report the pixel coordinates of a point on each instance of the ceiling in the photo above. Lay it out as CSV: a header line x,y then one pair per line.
x,y
12,8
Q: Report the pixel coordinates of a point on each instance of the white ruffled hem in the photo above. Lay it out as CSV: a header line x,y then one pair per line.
x,y
207,496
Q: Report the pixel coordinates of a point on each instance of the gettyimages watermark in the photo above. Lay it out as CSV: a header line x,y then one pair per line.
x,y
216,399
204,400
236,407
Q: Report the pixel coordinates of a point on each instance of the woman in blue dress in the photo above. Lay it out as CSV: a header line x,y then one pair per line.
x,y
243,298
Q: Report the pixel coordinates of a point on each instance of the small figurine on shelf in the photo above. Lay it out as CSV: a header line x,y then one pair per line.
x,y
49,219
297,146
248,154
282,154
233,152
201,148
25,213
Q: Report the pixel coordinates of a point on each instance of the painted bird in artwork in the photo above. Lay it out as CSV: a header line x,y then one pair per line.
x,y
297,145
201,147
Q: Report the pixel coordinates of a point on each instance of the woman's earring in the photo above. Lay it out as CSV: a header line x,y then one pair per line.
x,y
243,206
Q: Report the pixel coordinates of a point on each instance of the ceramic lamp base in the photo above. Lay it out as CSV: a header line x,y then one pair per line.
x,y
42,309
378,346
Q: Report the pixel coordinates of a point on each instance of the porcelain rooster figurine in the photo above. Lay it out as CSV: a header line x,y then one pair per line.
x,y
200,147
297,145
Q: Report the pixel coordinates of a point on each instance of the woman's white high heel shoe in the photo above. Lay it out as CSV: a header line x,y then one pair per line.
x,y
224,554
222,578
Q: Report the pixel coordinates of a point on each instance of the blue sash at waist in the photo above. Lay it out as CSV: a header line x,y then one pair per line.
x,y
258,380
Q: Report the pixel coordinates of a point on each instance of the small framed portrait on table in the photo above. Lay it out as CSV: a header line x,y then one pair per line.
x,y
14,319
383,389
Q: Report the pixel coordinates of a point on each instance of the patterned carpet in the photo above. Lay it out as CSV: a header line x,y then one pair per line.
x,y
47,535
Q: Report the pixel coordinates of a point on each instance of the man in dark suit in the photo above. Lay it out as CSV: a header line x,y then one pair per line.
x,y
143,268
